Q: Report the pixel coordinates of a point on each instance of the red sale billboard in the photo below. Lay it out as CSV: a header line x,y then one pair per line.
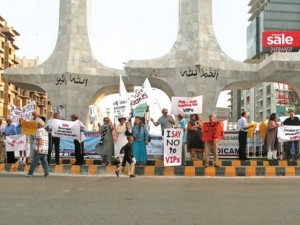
x,y
281,41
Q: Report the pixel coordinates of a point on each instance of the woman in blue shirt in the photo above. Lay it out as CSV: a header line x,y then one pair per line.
x,y
141,137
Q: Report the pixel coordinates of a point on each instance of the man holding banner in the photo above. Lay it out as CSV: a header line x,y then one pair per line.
x,y
79,146
292,146
211,133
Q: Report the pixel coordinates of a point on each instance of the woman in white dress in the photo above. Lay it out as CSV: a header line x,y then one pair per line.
x,y
121,136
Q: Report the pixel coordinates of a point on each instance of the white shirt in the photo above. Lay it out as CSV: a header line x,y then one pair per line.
x,y
242,123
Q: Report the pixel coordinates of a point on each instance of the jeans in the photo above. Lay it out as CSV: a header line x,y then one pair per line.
x,y
35,160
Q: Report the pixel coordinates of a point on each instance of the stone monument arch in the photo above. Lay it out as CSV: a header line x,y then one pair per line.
x,y
196,65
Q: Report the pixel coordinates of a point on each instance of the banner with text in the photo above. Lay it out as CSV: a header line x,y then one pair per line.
x,y
186,105
288,133
67,129
212,131
172,147
16,143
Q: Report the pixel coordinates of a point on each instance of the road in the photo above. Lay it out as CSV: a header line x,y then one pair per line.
x,y
86,200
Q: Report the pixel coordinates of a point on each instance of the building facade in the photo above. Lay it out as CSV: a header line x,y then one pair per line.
x,y
260,101
10,94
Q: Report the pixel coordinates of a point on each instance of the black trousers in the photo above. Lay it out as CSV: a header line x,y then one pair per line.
x,y
10,157
79,152
242,144
56,142
127,158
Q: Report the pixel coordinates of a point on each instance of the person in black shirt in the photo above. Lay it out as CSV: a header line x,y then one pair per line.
x,y
291,146
128,157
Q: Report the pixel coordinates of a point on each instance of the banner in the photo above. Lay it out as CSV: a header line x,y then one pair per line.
x,y
67,129
92,139
251,130
61,110
121,108
29,127
140,110
141,95
172,147
16,143
263,129
93,114
213,130
288,133
25,113
155,146
186,105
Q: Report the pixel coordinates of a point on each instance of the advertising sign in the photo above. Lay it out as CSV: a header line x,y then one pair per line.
x,y
280,41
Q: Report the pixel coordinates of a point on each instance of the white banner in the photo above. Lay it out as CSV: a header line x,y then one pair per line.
x,y
25,113
141,95
16,143
186,105
288,133
67,129
93,114
121,108
172,147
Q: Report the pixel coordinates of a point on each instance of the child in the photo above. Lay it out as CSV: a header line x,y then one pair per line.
x,y
40,146
128,157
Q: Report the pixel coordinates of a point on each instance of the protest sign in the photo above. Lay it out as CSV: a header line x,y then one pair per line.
x,y
140,110
251,130
16,143
67,129
172,147
186,105
29,127
213,130
288,133
141,94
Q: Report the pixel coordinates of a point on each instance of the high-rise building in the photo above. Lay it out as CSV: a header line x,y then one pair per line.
x,y
273,26
10,94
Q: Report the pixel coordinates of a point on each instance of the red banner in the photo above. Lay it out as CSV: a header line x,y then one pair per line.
x,y
213,130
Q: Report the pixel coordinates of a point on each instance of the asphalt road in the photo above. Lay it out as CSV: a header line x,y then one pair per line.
x,y
138,201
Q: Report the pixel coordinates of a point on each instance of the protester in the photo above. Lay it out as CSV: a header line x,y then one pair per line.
x,y
183,125
53,140
106,149
121,129
40,146
128,157
292,146
2,147
242,128
194,138
211,144
272,137
35,117
79,146
141,137
9,130
21,160
165,121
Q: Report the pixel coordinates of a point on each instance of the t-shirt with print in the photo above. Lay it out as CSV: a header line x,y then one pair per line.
x,y
43,134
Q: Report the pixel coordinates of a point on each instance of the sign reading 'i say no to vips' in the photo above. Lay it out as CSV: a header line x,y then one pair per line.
x,y
172,147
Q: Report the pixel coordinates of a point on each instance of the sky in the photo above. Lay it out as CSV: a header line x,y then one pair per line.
x,y
123,30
